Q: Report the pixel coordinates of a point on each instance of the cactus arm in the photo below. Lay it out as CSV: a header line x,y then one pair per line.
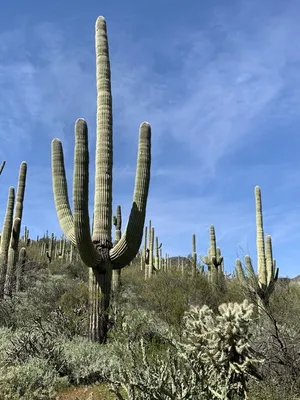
x,y
18,213
128,246
240,272
269,259
104,139
88,253
60,191
253,280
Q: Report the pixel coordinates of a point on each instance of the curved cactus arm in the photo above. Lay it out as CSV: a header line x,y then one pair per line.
x,y
130,242
88,253
269,259
253,280
60,191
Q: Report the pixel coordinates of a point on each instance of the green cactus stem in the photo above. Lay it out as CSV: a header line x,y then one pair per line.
x,y
10,279
213,259
117,222
21,270
144,250
260,286
5,239
97,251
194,255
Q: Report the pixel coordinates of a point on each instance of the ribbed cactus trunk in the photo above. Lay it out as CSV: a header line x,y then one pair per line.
x,y
97,251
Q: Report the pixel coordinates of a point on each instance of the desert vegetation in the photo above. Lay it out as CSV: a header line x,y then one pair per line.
x,y
84,316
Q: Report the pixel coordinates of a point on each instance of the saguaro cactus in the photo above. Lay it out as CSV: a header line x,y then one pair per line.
x,y
21,270
10,279
262,285
213,259
97,251
194,255
5,239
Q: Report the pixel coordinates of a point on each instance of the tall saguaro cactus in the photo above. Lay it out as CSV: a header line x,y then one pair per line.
x,y
261,285
97,251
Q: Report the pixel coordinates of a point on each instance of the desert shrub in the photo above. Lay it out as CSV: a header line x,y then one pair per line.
x,y
36,341
54,297
277,338
33,380
88,362
72,270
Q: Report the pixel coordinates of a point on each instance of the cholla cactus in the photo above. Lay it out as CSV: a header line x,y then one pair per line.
x,y
213,360
222,342
97,251
261,286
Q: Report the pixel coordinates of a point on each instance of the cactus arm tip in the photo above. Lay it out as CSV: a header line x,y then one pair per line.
x,y
130,242
88,253
60,190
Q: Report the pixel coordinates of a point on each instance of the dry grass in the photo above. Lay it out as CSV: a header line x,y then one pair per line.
x,y
95,392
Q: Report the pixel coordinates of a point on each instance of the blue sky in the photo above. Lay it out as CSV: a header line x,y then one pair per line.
x,y
218,81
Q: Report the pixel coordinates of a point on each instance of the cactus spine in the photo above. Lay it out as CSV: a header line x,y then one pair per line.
x,y
97,252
